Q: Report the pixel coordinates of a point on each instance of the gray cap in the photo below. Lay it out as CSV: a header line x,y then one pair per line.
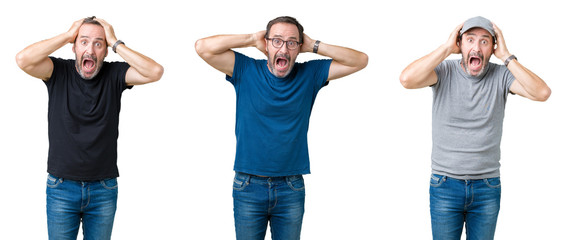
x,y
478,22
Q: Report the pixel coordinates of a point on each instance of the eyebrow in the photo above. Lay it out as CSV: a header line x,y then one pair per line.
x,y
484,35
100,39
280,36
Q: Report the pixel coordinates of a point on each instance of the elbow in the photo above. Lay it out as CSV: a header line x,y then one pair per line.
x,y
154,74
543,94
157,73
199,47
363,60
21,60
202,50
405,81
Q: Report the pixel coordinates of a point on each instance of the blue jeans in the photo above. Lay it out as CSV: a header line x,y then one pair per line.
x,y
454,202
69,202
259,200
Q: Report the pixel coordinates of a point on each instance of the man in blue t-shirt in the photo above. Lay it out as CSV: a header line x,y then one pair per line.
x,y
84,104
273,106
469,96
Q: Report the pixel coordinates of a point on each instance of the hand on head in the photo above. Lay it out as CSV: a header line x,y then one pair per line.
x,y
453,42
500,49
108,31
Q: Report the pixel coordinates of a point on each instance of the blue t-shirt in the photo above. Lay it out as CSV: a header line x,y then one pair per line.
x,y
272,115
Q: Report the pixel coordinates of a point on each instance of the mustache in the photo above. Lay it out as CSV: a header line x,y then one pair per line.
x,y
89,56
282,55
476,54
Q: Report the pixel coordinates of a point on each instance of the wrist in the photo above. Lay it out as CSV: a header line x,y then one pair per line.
x,y
446,50
509,59
316,46
70,37
115,45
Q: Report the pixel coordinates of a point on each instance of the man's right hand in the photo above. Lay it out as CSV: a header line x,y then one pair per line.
x,y
260,41
74,30
452,43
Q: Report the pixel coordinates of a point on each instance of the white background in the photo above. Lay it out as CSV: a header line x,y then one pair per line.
x,y
369,138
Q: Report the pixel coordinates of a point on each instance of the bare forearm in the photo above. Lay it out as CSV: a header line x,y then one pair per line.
x,y
216,50
144,65
532,84
343,55
34,59
421,73
345,60
40,51
222,43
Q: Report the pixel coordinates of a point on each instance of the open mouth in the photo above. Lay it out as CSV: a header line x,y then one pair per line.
x,y
281,63
475,63
89,65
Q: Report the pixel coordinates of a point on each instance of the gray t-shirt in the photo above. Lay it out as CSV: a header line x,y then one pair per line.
x,y
468,113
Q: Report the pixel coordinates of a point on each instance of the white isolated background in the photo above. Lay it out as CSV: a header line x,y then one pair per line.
x,y
369,138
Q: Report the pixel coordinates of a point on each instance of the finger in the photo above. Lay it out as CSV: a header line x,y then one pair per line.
x,y
459,27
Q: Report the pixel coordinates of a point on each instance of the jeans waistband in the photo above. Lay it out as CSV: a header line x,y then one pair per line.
x,y
251,177
439,176
73,180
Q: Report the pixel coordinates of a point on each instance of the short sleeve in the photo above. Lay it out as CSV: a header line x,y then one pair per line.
x,y
320,70
119,70
508,80
241,62
58,69
442,72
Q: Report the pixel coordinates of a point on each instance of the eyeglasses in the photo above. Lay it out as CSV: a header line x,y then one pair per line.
x,y
278,43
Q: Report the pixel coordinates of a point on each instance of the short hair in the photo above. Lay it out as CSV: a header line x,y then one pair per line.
x,y
285,19
90,20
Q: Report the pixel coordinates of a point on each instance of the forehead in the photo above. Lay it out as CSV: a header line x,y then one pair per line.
x,y
91,31
286,30
479,32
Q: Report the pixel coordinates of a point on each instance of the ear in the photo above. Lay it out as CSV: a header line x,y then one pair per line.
x,y
266,41
73,48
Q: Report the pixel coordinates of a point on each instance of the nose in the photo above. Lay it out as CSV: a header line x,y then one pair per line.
x,y
90,48
476,45
284,48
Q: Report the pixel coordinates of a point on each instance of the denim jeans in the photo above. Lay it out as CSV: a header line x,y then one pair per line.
x,y
262,200
69,202
454,202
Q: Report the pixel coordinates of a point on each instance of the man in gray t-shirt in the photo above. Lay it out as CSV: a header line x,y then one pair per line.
x,y
469,97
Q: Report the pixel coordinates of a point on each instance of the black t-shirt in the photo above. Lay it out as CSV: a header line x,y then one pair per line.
x,y
83,120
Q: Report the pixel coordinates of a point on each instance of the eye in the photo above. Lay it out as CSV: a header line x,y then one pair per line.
x,y
98,44
83,42
291,44
484,42
277,41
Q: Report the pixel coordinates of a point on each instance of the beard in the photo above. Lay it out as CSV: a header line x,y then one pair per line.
x,y
280,65
475,64
88,66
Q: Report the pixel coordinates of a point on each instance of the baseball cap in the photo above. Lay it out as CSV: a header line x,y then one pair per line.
x,y
478,22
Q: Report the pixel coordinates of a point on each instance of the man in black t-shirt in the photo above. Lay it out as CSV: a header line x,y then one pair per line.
x,y
84,105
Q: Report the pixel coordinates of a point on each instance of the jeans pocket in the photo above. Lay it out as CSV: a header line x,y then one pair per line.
x,y
109,184
436,180
53,181
240,182
493,182
296,183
